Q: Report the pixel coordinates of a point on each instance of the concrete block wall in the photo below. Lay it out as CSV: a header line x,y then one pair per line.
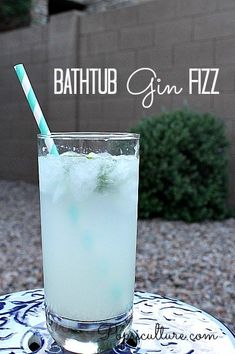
x,y
102,5
17,127
170,36
40,48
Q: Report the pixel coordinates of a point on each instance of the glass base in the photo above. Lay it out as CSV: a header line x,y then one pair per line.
x,y
89,337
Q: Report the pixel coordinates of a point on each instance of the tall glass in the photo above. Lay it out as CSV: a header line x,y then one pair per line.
x,y
88,197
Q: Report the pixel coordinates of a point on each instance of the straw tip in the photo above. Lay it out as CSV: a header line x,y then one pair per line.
x,y
17,66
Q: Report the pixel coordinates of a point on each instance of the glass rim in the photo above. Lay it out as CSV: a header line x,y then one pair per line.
x,y
90,136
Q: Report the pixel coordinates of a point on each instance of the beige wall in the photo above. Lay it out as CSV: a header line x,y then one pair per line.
x,y
167,35
170,36
40,48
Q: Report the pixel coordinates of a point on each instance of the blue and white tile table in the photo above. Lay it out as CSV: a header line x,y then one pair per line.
x,y
187,330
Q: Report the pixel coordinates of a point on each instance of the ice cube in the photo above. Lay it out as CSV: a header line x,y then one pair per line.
x,y
83,176
50,173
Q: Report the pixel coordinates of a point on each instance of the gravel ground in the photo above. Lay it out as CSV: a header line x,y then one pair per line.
x,y
193,262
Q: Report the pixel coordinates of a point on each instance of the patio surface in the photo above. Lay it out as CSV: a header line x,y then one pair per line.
x,y
193,262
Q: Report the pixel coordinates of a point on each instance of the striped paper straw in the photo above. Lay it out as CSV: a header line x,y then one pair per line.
x,y
35,107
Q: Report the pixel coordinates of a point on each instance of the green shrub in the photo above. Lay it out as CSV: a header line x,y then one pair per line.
x,y
183,167
14,13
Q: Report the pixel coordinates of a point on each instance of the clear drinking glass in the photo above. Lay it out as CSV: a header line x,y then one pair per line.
x,y
88,198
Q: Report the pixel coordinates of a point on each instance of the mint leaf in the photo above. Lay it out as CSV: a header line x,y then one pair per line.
x,y
104,180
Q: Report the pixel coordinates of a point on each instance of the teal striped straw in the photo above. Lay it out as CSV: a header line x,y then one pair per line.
x,y
35,107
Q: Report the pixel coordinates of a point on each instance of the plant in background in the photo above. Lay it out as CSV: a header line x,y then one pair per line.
x,y
183,167
14,13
